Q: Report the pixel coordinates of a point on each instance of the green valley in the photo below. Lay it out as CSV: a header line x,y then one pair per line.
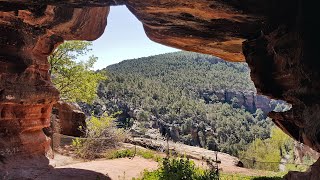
x,y
196,99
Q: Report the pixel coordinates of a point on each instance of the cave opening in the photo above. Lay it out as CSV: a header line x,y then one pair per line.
x,y
121,41
266,35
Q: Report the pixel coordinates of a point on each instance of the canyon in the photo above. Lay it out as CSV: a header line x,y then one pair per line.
x,y
276,38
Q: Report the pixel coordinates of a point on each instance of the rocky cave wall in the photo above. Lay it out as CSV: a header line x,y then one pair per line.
x,y
66,118
277,38
27,37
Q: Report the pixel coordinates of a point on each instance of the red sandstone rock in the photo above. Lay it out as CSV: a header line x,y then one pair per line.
x,y
27,95
69,118
277,38
195,25
301,152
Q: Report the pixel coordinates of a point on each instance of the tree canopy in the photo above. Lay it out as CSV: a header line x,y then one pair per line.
x,y
76,80
176,93
267,153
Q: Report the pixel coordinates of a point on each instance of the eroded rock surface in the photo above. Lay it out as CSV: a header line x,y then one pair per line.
x,y
27,37
283,65
69,119
279,43
302,153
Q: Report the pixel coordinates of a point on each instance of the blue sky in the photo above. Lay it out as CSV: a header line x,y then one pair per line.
x,y
124,38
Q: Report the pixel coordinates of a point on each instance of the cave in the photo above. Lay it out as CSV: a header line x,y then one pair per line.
x,y
278,39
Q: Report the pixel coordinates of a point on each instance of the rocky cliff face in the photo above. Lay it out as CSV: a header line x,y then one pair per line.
x,y
68,118
278,40
303,153
250,100
283,66
27,37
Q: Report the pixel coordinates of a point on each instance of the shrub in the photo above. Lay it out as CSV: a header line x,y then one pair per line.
x,y
147,175
244,177
123,153
266,154
267,178
147,154
101,135
179,169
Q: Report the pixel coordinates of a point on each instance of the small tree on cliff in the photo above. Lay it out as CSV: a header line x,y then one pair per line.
x,y
76,81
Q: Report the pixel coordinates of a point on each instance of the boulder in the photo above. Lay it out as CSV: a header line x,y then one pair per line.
x,y
69,119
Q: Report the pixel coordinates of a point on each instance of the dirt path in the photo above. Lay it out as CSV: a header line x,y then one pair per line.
x,y
67,167
119,169
191,151
227,165
115,169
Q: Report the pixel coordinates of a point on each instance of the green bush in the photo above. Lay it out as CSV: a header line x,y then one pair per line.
x,y
101,135
123,153
179,169
149,175
147,154
244,177
184,169
296,167
267,178
266,154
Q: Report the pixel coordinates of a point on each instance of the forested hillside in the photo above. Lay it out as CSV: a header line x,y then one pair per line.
x,y
193,98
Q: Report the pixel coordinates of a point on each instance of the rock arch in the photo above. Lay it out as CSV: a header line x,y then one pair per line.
x,y
278,39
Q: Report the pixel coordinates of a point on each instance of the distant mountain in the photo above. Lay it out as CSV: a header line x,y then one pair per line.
x,y
197,99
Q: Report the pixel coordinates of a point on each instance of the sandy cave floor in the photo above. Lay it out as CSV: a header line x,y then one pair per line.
x,y
66,168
